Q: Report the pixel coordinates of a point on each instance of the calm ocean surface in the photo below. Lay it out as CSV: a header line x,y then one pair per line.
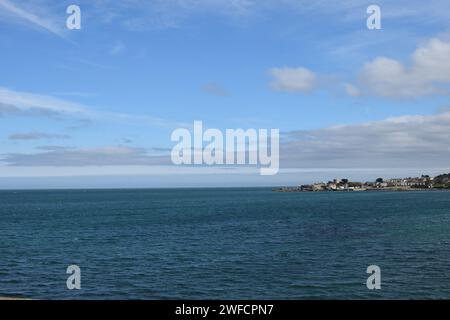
x,y
224,244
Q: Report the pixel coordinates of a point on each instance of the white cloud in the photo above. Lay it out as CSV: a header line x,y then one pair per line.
x,y
293,79
428,74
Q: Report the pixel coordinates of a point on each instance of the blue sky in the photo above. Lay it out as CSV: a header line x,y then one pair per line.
x,y
104,99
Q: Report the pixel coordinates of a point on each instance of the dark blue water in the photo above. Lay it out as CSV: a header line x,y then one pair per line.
x,y
224,244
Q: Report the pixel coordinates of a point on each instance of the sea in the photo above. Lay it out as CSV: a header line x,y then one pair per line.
x,y
237,243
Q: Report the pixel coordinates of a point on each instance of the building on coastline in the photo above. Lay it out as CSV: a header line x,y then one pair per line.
x,y
422,182
397,184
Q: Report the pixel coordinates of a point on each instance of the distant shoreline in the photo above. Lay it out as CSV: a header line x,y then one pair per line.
x,y
296,189
423,183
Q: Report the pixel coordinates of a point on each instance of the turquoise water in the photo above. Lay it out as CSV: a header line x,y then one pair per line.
x,y
224,244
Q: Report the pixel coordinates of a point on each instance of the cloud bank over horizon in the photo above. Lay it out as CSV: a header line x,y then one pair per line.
x,y
397,142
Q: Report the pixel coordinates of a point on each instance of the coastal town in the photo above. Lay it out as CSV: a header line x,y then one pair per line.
x,y
425,182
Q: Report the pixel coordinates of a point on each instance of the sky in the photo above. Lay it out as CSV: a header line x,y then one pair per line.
x,y
96,107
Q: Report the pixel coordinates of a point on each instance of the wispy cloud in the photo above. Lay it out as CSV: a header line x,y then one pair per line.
x,y
215,89
138,15
117,49
37,136
42,21
53,148
171,13
23,103
8,110
103,156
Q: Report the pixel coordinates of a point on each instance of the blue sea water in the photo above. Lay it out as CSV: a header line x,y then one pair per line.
x,y
224,244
